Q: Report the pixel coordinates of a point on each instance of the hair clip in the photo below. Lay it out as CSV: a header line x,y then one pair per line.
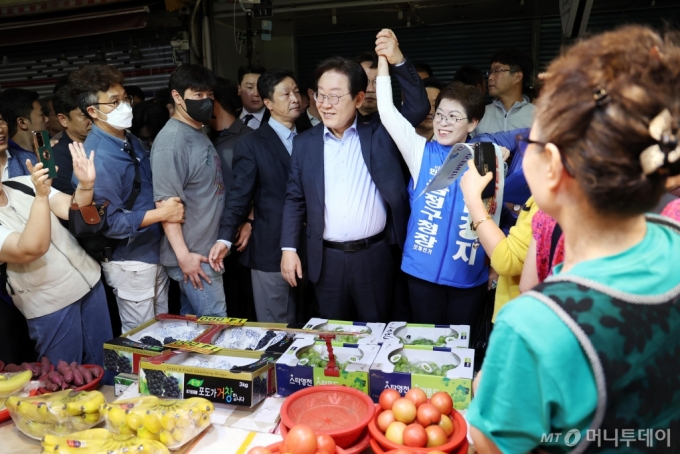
x,y
600,96
666,150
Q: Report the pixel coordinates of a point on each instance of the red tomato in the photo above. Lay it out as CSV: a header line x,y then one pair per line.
x,y
404,410
447,425
301,439
259,450
325,443
435,436
395,432
388,397
415,436
428,414
442,400
385,419
417,396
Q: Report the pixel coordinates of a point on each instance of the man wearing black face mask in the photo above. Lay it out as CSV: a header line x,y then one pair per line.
x,y
186,165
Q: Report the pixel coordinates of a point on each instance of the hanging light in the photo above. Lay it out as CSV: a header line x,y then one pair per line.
x,y
135,53
99,57
63,60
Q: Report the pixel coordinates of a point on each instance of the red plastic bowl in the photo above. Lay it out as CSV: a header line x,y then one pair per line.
x,y
360,445
339,411
377,449
94,384
275,448
456,439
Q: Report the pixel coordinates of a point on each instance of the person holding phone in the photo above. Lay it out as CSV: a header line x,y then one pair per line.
x,y
594,349
447,274
50,278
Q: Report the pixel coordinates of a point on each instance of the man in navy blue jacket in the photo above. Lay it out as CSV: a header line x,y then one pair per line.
x,y
21,114
133,269
346,179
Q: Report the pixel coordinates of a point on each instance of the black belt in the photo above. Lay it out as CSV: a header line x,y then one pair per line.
x,y
356,245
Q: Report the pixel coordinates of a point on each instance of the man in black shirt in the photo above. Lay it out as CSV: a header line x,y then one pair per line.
x,y
76,128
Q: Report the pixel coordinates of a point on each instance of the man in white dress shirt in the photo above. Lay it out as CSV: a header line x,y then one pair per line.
x,y
253,112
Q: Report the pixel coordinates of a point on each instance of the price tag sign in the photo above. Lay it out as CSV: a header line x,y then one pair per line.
x,y
226,321
196,347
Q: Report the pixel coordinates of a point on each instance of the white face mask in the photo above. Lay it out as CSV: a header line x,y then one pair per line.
x,y
120,117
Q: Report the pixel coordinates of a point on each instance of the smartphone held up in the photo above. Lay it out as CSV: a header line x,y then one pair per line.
x,y
41,142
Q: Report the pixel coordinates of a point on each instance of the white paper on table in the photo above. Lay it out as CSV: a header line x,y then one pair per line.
x,y
451,168
264,419
229,440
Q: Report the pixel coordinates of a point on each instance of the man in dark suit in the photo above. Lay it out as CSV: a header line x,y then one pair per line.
x,y
261,165
310,117
227,129
346,180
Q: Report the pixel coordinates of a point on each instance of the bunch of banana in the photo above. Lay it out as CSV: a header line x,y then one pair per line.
x,y
12,383
95,441
173,422
57,413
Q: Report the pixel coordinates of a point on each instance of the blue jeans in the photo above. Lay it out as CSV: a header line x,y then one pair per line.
x,y
209,302
76,332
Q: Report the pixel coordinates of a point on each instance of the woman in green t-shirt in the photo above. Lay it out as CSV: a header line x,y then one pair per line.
x,y
590,359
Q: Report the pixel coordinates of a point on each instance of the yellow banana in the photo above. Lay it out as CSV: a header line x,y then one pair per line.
x,y
148,401
166,438
146,434
115,416
134,419
151,422
92,434
204,420
204,404
86,403
85,421
177,434
152,447
168,420
12,385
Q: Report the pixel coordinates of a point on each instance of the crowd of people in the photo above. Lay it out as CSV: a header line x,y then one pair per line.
x,y
276,201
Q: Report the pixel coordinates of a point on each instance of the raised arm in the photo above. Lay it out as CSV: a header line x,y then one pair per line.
x,y
84,170
34,241
410,144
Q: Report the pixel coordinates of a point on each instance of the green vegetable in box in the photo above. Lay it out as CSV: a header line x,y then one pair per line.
x,y
402,364
312,358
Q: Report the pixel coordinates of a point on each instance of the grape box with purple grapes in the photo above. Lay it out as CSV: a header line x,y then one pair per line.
x,y
244,378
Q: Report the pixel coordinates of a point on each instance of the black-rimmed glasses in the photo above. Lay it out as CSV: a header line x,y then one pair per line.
x,y
115,103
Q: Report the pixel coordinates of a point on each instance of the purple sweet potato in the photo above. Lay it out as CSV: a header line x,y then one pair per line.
x,y
32,367
13,368
78,379
65,385
52,387
95,372
87,375
55,377
44,365
65,370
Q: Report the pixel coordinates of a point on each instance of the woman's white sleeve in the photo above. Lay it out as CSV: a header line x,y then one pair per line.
x,y
410,144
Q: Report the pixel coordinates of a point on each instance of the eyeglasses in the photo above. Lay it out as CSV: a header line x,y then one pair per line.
x,y
525,138
450,118
116,103
498,71
333,99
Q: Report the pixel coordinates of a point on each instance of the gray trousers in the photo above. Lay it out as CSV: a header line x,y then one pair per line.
x,y
274,297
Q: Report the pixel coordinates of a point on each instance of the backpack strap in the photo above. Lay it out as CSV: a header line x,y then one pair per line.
x,y
19,187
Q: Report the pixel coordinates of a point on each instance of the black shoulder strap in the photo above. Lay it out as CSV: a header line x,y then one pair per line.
x,y
137,185
19,187
554,239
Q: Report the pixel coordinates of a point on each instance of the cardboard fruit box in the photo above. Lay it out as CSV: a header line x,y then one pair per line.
x,y
304,365
122,354
245,378
429,368
370,333
252,336
452,336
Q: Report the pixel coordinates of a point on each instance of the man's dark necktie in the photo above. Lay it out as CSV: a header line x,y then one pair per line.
x,y
247,118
